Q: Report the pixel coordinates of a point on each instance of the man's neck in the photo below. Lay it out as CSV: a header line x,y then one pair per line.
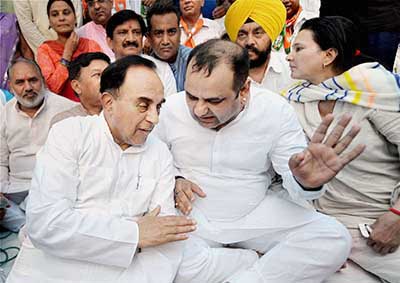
x,y
258,73
30,111
92,109
191,21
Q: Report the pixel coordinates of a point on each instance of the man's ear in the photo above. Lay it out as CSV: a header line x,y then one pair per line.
x,y
76,86
245,91
330,56
107,100
110,43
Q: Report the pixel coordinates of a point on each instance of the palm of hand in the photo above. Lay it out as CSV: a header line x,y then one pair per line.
x,y
322,160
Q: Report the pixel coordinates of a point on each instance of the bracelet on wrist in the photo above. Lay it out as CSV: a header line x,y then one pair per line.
x,y
65,62
179,177
395,211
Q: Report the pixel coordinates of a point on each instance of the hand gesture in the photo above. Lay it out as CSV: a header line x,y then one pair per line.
x,y
185,194
156,230
322,160
385,236
70,46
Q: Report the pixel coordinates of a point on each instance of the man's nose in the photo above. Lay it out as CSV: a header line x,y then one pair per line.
x,y
200,108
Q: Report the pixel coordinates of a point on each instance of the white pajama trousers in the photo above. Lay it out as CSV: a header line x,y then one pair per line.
x,y
307,253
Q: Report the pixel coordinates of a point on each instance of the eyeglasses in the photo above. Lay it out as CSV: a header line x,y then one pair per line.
x,y
91,3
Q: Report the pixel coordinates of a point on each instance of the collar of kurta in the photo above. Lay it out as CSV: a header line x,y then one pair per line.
x,y
107,132
275,64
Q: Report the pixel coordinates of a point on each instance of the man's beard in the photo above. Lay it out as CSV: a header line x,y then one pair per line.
x,y
262,56
31,103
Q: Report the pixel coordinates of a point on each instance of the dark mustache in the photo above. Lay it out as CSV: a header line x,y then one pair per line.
x,y
131,43
252,48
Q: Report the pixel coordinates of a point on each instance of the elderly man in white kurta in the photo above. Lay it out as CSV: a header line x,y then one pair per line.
x,y
95,179
229,141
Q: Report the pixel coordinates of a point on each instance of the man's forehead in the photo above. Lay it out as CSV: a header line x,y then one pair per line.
x,y
96,64
22,70
132,23
251,26
165,19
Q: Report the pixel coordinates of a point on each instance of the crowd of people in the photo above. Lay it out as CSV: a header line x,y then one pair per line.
x,y
195,141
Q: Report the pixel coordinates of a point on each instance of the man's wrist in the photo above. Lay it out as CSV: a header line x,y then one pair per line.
x,y
308,189
65,62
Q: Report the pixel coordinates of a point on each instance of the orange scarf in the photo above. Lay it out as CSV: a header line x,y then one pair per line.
x,y
190,33
289,30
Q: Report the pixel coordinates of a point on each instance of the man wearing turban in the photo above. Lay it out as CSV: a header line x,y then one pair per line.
x,y
254,25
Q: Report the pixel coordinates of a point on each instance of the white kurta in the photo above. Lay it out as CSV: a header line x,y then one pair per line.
x,y
235,166
277,75
86,194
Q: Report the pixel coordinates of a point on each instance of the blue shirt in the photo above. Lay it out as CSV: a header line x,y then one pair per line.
x,y
179,66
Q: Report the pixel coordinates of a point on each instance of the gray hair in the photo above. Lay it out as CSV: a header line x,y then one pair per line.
x,y
27,61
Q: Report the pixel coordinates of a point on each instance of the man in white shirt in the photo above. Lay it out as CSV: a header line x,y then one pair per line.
x,y
227,141
194,28
98,188
254,25
25,122
125,31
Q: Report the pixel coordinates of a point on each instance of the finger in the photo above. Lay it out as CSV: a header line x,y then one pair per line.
x,y
354,153
180,229
393,249
346,140
385,250
184,203
295,160
337,132
187,190
175,237
370,242
320,132
177,221
155,211
196,189
377,248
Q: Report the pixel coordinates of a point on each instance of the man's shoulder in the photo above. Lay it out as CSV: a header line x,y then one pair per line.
x,y
156,61
53,99
211,23
174,108
175,101
156,147
184,51
75,126
77,110
264,98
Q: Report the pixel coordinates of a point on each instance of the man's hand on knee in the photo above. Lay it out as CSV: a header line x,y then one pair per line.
x,y
385,236
156,230
185,192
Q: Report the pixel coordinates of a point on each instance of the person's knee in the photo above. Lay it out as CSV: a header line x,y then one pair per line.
x,y
338,239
